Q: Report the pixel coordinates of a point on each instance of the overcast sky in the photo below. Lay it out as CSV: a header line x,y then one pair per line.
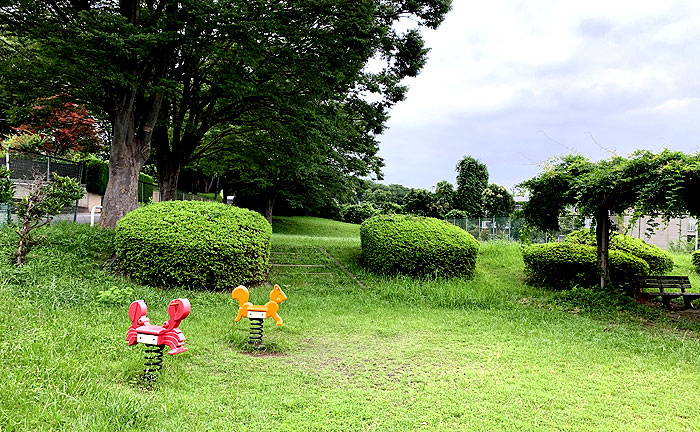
x,y
515,83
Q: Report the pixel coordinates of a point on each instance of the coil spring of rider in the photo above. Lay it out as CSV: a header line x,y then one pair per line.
x,y
154,359
256,331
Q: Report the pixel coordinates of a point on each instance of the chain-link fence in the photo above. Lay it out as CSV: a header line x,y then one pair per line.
x,y
514,229
487,228
186,196
27,167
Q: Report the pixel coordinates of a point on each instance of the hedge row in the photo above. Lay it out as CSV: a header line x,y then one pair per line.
x,y
194,244
659,260
565,265
97,176
416,246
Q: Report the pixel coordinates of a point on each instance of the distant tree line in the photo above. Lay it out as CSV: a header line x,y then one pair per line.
x,y
473,197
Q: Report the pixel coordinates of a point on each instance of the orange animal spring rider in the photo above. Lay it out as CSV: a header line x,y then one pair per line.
x,y
257,313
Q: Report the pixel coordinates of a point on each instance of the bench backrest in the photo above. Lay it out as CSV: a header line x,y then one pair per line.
x,y
662,283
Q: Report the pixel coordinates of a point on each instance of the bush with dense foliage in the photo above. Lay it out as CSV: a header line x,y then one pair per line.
x,y
194,244
357,213
564,265
659,260
7,186
696,260
36,209
96,176
417,246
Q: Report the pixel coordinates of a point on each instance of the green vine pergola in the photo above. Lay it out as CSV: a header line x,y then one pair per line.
x,y
662,184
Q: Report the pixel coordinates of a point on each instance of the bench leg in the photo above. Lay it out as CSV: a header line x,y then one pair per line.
x,y
666,301
688,303
640,297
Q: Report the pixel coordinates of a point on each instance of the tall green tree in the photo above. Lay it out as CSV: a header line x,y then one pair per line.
x,y
306,160
303,60
366,190
444,197
421,202
497,201
472,179
114,56
127,57
646,183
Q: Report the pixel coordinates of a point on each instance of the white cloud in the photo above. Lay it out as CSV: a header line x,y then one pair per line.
x,y
674,105
499,71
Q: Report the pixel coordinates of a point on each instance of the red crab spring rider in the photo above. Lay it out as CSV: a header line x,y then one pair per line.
x,y
156,338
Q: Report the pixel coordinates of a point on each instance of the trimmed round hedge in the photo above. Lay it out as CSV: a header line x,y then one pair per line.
x,y
564,265
417,246
658,259
194,244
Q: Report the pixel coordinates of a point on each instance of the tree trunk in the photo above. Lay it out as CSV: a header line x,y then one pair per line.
x,y
269,204
121,194
129,150
172,155
168,175
602,234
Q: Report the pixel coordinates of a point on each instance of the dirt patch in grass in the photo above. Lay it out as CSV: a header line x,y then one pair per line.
x,y
688,314
354,360
263,353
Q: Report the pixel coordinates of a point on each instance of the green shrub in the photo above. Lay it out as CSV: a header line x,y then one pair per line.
x,y
564,265
696,260
659,260
195,244
96,176
390,208
416,246
357,213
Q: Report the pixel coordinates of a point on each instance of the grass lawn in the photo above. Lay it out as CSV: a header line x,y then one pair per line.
x,y
356,352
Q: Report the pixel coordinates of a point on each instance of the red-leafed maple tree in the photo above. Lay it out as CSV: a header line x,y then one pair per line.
x,y
63,127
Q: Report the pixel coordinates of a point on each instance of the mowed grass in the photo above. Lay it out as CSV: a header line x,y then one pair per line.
x,y
356,352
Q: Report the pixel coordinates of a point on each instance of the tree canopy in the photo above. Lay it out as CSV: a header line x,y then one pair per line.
x,y
497,201
62,127
210,63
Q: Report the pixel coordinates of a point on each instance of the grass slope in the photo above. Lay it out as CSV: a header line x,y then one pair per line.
x,y
392,355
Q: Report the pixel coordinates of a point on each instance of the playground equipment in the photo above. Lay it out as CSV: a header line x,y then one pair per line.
x,y
257,313
156,338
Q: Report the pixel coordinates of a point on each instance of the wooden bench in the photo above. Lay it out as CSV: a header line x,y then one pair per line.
x,y
666,287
